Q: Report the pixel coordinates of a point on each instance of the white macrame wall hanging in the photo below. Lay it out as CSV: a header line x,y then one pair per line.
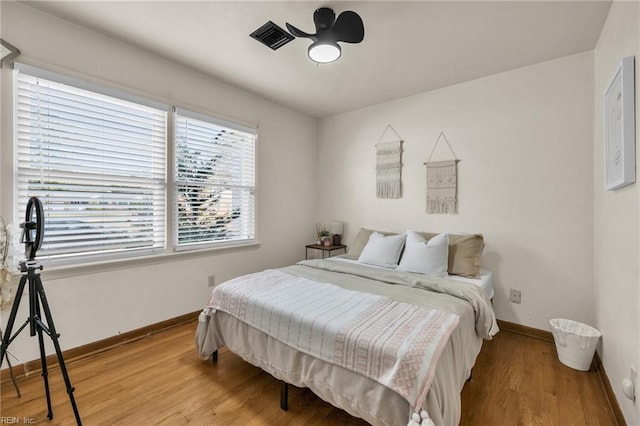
x,y
389,167
442,182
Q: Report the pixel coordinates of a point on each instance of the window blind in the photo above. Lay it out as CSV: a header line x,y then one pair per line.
x,y
214,181
98,165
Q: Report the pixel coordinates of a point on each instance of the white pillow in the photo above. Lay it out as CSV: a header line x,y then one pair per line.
x,y
382,250
426,257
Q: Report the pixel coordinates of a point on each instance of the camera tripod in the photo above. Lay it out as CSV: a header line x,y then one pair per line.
x,y
38,300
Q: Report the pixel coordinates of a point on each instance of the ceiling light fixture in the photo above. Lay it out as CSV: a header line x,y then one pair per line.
x,y
323,52
347,28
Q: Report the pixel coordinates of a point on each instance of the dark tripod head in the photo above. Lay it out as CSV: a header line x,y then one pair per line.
x,y
32,232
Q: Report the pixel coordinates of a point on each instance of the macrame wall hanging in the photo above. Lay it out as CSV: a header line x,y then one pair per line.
x,y
389,166
442,182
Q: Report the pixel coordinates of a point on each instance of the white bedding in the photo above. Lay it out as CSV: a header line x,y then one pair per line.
x,y
350,391
393,343
485,281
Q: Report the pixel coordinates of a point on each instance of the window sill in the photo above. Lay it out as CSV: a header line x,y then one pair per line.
x,y
57,272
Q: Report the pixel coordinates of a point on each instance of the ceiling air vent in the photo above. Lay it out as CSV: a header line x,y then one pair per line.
x,y
272,35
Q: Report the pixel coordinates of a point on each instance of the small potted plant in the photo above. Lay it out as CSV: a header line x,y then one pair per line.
x,y
323,234
326,237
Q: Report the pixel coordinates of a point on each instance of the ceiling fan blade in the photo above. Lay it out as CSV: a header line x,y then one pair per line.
x,y
323,18
299,33
348,28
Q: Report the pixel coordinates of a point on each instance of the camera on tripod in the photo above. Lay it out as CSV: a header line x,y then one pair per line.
x,y
32,236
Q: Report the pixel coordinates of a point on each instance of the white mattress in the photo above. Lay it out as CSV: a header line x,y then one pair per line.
x,y
485,281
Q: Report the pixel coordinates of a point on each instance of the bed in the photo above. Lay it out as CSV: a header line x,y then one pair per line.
x,y
466,299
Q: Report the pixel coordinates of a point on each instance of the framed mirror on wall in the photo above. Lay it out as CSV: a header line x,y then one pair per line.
x,y
619,127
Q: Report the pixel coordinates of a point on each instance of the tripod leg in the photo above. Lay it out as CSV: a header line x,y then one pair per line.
x,y
12,318
13,377
54,337
35,328
43,362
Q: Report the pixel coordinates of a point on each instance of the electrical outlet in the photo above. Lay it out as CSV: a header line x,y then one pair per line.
x,y
211,280
515,295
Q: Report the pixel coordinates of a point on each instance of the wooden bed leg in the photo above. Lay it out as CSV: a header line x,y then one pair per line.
x,y
284,396
214,357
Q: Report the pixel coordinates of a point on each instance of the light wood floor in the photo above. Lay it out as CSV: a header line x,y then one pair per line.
x,y
160,381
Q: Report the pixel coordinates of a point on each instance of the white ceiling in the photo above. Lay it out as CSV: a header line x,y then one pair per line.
x,y
409,47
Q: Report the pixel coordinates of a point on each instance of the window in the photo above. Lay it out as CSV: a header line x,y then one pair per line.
x,y
96,162
97,159
215,181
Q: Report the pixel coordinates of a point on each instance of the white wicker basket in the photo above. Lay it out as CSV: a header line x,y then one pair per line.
x,y
575,342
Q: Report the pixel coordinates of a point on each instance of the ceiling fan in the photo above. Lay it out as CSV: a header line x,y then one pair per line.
x,y
347,28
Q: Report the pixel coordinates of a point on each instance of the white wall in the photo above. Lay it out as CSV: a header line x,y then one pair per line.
x,y
617,218
94,306
525,177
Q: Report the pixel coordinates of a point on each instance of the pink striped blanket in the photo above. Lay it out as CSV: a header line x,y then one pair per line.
x,y
396,344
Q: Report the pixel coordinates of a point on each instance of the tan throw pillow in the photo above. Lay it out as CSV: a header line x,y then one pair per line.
x,y
361,240
465,255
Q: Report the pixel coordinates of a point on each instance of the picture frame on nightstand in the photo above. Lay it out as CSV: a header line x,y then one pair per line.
x,y
619,127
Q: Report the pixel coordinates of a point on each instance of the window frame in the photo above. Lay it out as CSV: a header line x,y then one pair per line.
x,y
190,113
76,264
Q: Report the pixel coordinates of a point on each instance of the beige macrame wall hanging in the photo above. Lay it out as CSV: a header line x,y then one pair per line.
x,y
442,182
389,167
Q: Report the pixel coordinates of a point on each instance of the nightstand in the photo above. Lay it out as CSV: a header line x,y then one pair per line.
x,y
326,250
